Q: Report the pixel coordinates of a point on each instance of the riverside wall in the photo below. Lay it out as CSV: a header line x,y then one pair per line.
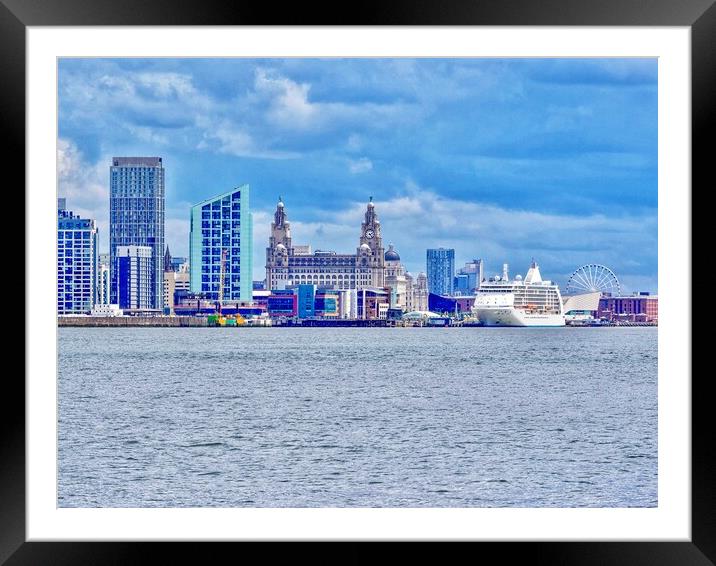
x,y
122,321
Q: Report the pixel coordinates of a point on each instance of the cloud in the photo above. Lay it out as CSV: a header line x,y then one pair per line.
x,y
361,165
234,141
85,185
422,219
289,105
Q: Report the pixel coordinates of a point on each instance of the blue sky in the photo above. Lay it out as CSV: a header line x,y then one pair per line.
x,y
502,159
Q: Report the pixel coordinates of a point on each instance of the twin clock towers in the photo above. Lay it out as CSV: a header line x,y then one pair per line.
x,y
287,264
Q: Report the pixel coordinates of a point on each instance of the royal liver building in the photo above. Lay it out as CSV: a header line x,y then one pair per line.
x,y
287,264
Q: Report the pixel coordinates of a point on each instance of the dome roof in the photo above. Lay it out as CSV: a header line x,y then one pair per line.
x,y
391,254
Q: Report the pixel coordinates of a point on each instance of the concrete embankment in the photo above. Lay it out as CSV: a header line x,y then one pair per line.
x,y
121,321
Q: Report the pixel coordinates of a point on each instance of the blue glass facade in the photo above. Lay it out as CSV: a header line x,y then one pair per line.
x,y
136,216
441,271
326,305
217,225
282,303
77,240
306,300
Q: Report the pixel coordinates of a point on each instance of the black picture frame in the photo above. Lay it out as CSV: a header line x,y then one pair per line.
x,y
699,15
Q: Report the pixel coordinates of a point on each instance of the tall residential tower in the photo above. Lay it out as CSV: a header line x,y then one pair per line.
x,y
76,262
136,217
441,271
221,241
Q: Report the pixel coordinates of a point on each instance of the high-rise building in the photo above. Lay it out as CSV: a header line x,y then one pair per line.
x,y
135,265
221,241
441,271
468,278
76,262
136,216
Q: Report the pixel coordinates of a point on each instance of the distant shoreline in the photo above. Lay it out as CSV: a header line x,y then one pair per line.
x,y
202,322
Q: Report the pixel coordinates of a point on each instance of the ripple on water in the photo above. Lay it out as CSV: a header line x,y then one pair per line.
x,y
357,417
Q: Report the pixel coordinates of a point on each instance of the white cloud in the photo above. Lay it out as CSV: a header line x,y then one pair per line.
x,y
361,165
289,105
234,141
422,219
85,185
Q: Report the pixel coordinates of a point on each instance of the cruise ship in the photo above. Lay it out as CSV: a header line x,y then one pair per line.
x,y
520,302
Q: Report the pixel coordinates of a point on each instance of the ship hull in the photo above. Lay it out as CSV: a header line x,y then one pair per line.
x,y
515,317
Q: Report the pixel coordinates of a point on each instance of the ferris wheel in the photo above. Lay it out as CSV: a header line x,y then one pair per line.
x,y
593,277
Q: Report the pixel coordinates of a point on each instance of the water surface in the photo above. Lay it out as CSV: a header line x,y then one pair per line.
x,y
357,417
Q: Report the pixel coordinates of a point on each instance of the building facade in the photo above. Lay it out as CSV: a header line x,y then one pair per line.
x,y
136,217
469,277
221,241
416,297
135,287
643,307
440,265
103,284
395,279
288,264
77,239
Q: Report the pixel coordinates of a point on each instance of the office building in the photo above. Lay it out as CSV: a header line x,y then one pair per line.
x,y
136,217
221,237
441,271
77,240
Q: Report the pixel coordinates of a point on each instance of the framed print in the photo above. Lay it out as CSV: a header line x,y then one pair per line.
x,y
206,166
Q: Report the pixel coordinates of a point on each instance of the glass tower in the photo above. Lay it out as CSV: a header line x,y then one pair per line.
x,y
221,239
76,262
136,217
441,271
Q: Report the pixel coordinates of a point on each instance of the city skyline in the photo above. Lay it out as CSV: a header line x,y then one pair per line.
x,y
498,159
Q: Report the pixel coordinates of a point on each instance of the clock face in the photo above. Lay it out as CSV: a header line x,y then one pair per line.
x,y
369,234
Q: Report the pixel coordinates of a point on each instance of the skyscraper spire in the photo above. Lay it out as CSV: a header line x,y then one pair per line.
x,y
167,261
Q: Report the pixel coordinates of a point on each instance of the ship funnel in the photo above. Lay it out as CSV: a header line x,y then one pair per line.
x,y
505,272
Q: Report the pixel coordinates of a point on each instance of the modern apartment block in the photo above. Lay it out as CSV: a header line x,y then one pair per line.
x,y
441,271
77,240
134,277
221,241
136,217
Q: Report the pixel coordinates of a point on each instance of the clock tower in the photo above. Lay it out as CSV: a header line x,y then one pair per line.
x,y
279,250
371,261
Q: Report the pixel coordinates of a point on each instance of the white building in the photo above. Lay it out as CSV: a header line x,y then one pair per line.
x,y
103,284
135,286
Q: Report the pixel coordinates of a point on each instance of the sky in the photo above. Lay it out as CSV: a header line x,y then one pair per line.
x,y
500,159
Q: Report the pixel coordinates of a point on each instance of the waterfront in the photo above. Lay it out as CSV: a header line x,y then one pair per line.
x,y
353,417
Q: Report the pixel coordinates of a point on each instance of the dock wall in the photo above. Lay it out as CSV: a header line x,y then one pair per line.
x,y
133,321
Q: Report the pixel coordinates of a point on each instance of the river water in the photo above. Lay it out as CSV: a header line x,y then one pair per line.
x,y
357,417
